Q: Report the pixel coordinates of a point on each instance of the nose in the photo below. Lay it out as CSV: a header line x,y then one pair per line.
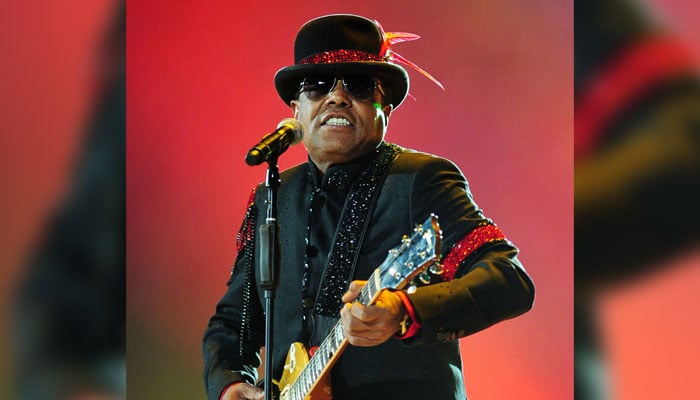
x,y
338,95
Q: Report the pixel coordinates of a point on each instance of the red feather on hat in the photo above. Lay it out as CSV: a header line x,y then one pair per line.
x,y
390,55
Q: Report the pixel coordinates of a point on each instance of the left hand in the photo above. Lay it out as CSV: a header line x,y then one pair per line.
x,y
368,326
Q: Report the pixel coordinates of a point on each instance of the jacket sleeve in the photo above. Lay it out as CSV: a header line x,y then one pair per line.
x,y
483,280
231,343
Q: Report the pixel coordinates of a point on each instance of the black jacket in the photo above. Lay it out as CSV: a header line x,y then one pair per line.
x,y
488,282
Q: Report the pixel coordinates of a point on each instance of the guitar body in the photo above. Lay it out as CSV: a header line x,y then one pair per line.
x,y
297,360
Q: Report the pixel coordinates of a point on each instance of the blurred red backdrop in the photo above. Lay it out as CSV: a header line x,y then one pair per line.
x,y
200,93
48,72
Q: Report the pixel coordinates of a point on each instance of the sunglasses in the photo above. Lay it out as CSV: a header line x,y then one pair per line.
x,y
359,86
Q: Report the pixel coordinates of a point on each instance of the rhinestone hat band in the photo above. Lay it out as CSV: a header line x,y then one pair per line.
x,y
386,54
339,56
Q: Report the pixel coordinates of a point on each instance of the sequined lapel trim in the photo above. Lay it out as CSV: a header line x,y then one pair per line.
x,y
351,228
245,243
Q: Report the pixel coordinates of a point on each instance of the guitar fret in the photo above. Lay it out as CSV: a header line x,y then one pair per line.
x,y
324,352
377,281
362,298
371,289
314,371
338,335
368,291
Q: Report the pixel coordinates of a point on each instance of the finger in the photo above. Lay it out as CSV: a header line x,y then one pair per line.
x,y
365,338
369,315
353,291
351,314
243,391
362,342
352,326
391,303
360,333
253,393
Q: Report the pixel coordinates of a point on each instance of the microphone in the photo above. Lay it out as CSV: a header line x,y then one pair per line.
x,y
289,132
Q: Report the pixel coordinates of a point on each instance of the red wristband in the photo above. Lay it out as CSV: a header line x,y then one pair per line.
x,y
413,326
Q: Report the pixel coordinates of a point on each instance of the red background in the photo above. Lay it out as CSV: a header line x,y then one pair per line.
x,y
48,73
200,93
194,69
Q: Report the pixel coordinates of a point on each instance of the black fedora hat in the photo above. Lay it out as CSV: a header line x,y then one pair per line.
x,y
342,44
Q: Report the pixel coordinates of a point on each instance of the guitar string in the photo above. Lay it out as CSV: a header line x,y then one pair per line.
x,y
329,346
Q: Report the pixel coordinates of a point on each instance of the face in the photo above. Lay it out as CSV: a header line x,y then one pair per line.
x,y
338,127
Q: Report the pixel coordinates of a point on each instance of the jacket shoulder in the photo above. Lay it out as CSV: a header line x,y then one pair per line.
x,y
414,160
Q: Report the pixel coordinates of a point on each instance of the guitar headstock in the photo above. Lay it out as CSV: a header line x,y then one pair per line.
x,y
413,256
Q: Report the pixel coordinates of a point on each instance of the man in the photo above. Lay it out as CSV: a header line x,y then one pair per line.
x,y
339,214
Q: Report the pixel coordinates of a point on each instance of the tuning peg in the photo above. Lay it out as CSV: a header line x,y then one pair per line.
x,y
424,277
394,273
437,269
405,239
418,228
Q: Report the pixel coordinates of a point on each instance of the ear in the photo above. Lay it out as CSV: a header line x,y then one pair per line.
x,y
294,105
387,109
381,117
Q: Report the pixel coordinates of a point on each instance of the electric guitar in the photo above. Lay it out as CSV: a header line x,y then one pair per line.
x,y
309,379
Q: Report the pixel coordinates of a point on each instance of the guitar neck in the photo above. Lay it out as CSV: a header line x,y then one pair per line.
x,y
328,352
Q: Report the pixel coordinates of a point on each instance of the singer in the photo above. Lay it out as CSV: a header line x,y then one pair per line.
x,y
339,214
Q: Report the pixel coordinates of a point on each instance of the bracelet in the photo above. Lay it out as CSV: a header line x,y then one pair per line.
x,y
405,324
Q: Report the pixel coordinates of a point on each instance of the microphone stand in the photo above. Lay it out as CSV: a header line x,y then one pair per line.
x,y
268,257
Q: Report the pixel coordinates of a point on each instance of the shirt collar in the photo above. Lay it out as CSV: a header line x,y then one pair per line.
x,y
339,177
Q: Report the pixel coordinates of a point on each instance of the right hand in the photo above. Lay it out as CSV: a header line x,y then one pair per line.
x,y
243,391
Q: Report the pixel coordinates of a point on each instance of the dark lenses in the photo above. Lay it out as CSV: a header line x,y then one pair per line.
x,y
359,86
317,86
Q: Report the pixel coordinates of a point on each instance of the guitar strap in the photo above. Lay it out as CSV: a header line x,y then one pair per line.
x,y
352,227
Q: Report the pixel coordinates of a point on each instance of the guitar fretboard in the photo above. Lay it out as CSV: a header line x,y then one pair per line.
x,y
330,347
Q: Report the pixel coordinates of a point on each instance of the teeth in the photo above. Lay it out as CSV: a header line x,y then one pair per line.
x,y
335,121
